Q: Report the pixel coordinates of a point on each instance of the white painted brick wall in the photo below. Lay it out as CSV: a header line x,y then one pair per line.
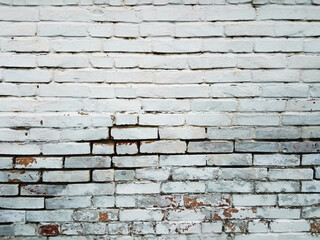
x,y
159,119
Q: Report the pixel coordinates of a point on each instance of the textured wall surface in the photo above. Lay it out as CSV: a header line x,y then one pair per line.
x,y
163,119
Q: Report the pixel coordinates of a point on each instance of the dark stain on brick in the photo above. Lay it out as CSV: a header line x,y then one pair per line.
x,y
25,161
216,217
193,202
103,217
49,230
227,212
315,227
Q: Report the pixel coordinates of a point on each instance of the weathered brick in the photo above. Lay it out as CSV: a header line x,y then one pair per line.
x,y
66,176
163,146
87,162
135,161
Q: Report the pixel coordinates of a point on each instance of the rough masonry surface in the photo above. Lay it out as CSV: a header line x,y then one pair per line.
x,y
159,119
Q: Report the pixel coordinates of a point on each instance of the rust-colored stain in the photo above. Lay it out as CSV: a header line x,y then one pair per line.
x,y
98,143
192,202
148,142
216,217
230,226
17,171
103,217
227,212
164,216
171,199
187,227
315,227
83,113
25,161
50,230
126,143
15,180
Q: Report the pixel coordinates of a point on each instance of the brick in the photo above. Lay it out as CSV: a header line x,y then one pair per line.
x,y
64,14
229,186
182,133
311,159
12,216
68,202
276,160
126,201
210,147
124,175
134,133
165,105
245,146
38,162
25,45
17,29
66,176
183,160
243,173
6,163
152,174
62,61
212,119
49,216
183,187
190,214
124,148
103,148
163,146
194,173
19,176
229,160
226,133
154,29
254,200
298,199
140,215
103,201
9,190
102,175
292,225
62,30
65,148
90,189
302,174
198,30
21,203
279,186
132,188
136,161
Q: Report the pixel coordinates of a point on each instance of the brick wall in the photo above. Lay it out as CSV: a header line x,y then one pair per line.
x,y
163,119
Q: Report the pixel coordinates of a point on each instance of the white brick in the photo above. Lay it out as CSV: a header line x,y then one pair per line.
x,y
101,30
62,30
135,161
155,29
30,76
254,200
38,162
103,148
183,187
126,30
138,188
64,14
25,45
62,61
19,14
66,176
65,148
87,162
76,45
229,13
183,160
182,133
198,30
163,146
134,133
